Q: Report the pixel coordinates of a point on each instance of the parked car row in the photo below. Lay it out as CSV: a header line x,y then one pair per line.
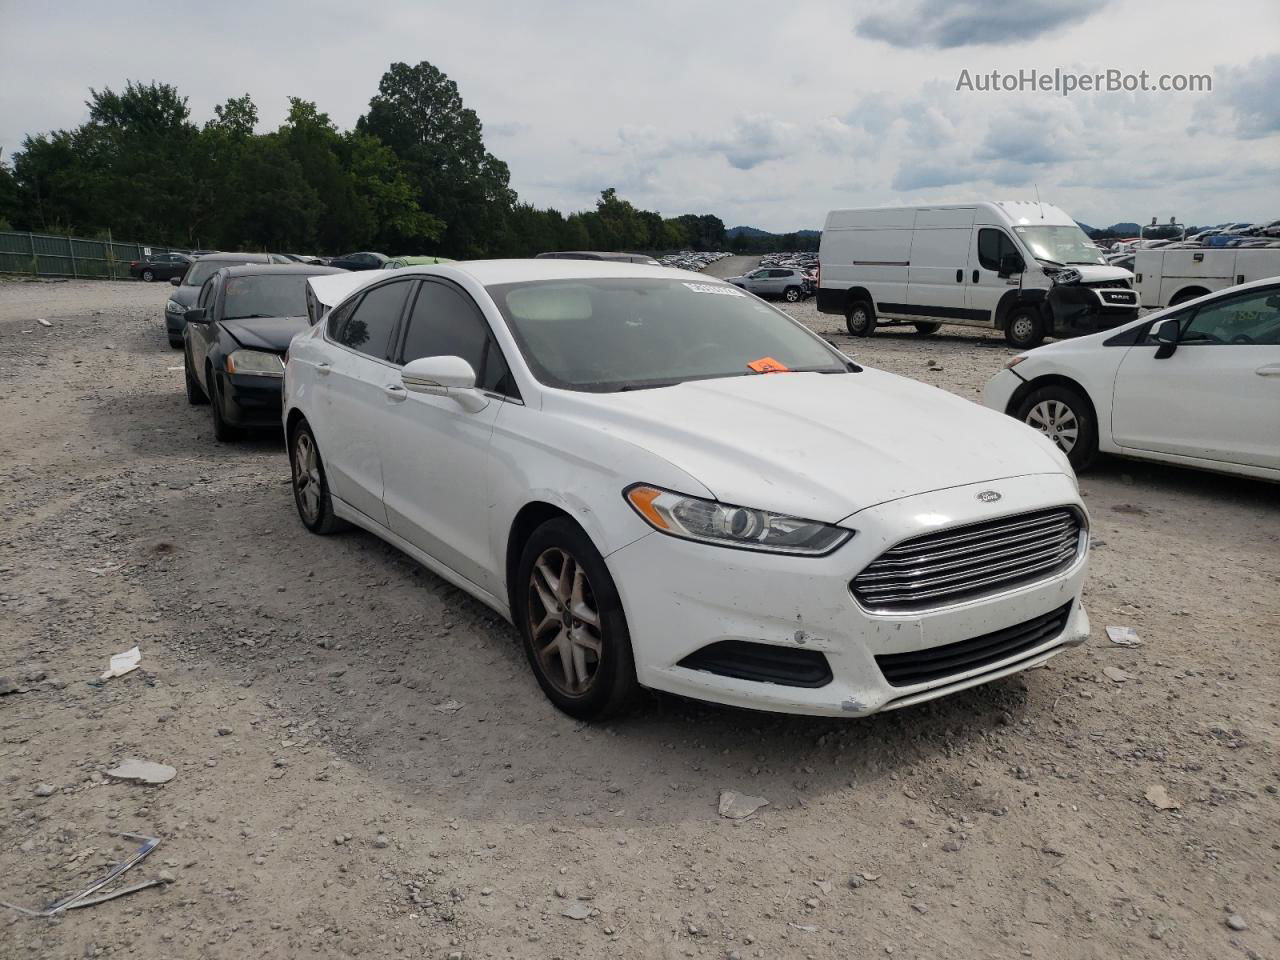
x,y
688,260
786,283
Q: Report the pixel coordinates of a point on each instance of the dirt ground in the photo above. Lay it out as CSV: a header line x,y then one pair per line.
x,y
366,767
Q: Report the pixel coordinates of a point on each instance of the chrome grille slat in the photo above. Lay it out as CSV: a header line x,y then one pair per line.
x,y
968,555
971,561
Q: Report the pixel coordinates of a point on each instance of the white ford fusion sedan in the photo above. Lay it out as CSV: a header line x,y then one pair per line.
x,y
666,482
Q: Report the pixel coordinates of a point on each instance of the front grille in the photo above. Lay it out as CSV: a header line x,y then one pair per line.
x,y
1100,284
977,560
761,662
936,663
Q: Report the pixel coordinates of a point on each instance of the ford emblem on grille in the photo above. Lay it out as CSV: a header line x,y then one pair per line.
x,y
989,496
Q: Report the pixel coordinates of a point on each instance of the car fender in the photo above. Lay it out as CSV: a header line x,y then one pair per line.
x,y
1018,297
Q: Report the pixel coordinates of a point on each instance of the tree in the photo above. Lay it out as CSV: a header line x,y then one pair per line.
x,y
8,195
419,114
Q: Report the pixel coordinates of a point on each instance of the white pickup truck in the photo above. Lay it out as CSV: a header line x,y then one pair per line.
x,y
1170,275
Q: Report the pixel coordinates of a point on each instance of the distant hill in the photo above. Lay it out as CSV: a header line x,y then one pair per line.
x,y
757,232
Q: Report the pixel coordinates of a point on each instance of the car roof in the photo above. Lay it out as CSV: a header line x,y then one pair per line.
x,y
279,269
488,272
237,257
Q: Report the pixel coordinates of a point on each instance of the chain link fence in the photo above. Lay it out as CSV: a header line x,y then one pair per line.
x,y
43,255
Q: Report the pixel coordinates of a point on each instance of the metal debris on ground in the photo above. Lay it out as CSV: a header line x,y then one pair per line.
x,y
143,771
738,806
84,898
576,911
1124,636
122,663
43,322
449,706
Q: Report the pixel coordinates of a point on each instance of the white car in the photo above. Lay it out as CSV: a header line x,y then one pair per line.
x,y
1196,385
601,453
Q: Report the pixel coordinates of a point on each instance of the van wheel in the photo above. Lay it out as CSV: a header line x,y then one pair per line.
x,y
1025,328
861,319
927,329
792,294
1065,417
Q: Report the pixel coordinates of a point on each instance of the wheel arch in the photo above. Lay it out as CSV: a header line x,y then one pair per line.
x,y
1017,298
854,294
527,519
1190,292
1050,380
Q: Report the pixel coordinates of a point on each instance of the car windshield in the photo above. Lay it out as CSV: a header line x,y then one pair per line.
x,y
265,296
605,335
1061,244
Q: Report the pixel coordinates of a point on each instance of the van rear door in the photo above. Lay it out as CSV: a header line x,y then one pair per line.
x,y
936,276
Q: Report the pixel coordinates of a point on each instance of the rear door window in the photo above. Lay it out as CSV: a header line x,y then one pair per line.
x,y
369,327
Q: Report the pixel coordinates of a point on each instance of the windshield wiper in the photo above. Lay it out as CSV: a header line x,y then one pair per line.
x,y
252,316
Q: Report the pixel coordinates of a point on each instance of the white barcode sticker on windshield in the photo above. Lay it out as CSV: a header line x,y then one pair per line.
x,y
721,288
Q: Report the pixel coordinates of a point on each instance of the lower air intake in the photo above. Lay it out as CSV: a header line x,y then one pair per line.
x,y
762,663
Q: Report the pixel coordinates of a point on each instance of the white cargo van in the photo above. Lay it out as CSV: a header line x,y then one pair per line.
x,y
1168,276
1022,267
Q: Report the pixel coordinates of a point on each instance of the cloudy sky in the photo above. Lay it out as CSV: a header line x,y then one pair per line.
x,y
764,113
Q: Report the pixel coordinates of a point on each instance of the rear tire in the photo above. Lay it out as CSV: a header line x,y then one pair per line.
x,y
860,321
310,483
1025,328
792,294
148,275
585,668
927,329
1063,415
1184,295
175,342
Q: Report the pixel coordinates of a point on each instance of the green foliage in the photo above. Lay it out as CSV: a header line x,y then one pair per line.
x,y
413,177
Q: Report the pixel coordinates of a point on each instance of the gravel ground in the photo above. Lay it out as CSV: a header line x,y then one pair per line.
x,y
365,766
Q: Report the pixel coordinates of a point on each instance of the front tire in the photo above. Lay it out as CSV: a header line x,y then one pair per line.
x,y
1063,415
148,275
572,624
1025,328
792,294
195,393
860,321
310,483
223,431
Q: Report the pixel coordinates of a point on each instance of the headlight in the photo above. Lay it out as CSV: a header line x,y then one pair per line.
x,y
692,518
173,306
258,363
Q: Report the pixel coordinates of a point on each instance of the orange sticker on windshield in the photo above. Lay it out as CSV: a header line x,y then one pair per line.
x,y
768,365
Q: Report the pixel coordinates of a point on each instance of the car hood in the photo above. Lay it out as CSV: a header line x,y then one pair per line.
x,y
265,333
185,296
817,446
1096,272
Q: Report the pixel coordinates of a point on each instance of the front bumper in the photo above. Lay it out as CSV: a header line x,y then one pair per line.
x,y
251,401
680,596
175,323
999,391
1078,309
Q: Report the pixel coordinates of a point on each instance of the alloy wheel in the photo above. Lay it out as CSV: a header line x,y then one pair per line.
x,y
564,622
1056,421
306,476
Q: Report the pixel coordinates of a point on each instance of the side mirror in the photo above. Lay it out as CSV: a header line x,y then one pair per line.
x,y
450,377
176,281
196,315
1010,264
1165,333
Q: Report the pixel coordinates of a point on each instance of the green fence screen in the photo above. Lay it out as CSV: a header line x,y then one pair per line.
x,y
42,255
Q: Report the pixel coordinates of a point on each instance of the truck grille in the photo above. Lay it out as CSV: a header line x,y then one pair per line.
x,y
936,663
1114,284
976,560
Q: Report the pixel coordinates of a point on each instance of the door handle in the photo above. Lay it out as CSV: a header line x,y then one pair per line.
x,y
975,276
959,276
1270,370
395,392
322,368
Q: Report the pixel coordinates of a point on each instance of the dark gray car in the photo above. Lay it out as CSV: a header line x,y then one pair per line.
x,y
786,282
188,286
